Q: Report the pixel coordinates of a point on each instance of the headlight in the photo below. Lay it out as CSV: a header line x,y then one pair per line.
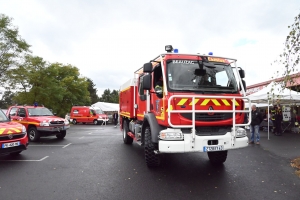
x,y
24,130
44,124
240,132
66,122
99,117
171,134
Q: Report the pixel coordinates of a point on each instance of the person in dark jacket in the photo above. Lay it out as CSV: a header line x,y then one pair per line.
x,y
115,118
256,119
278,120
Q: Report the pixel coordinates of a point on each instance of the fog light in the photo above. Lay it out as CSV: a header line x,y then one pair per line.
x,y
240,132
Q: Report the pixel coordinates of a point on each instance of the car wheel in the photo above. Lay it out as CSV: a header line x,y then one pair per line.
x,y
61,135
152,159
95,122
74,121
33,134
217,157
15,153
126,138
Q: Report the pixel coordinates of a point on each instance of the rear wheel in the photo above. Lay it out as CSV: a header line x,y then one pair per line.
x,y
74,121
15,153
152,159
33,134
126,138
61,135
217,157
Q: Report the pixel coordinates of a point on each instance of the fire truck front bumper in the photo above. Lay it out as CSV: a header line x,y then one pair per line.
x,y
202,143
53,128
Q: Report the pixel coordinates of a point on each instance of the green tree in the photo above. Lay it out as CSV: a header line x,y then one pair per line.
x,y
290,57
55,85
12,46
7,99
93,91
110,97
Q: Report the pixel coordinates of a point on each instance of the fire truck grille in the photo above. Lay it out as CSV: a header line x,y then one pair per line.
x,y
206,117
57,122
211,130
14,136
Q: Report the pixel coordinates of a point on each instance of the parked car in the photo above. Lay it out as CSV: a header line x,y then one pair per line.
x,y
13,136
39,121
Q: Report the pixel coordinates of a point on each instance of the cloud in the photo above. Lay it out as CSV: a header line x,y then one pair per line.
x,y
109,40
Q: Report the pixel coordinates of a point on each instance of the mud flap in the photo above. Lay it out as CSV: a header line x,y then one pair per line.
x,y
154,126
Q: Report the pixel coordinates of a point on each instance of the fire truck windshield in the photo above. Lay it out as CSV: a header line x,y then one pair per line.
x,y
182,76
39,112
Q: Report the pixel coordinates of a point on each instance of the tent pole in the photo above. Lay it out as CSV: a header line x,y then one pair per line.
x,y
268,119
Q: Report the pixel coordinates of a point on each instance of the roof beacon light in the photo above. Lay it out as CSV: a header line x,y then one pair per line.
x,y
175,50
169,48
210,53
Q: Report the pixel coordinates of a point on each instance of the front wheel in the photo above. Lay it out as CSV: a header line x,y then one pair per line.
x,y
152,159
61,135
126,138
74,121
95,122
33,134
217,157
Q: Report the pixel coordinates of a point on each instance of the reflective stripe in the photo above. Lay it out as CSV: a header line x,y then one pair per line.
x,y
171,108
194,102
225,102
205,102
181,102
216,102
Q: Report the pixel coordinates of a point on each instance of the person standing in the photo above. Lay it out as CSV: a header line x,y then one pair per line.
x,y
256,119
115,118
278,120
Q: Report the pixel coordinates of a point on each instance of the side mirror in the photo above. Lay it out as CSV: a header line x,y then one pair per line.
x,y
147,68
242,73
54,114
147,82
244,85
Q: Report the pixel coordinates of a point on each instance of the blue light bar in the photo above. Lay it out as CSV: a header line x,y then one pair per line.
x,y
175,50
210,53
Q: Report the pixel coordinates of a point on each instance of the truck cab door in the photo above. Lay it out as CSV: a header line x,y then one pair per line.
x,y
21,116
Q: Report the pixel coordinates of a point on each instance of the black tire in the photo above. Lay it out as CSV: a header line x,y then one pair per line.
x,y
33,134
61,135
15,153
95,122
217,157
126,138
152,159
74,121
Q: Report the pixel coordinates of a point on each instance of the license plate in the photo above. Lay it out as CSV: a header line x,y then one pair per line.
x,y
12,144
213,148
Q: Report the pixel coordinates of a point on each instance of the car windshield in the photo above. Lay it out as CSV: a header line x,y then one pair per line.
x,y
184,75
3,117
39,112
99,111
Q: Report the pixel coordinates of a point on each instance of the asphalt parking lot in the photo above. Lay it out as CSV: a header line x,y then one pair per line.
x,y
93,163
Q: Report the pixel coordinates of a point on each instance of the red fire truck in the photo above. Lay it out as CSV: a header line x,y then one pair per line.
x,y
179,103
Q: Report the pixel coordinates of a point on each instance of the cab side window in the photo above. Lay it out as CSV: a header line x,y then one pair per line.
x,y
13,112
21,111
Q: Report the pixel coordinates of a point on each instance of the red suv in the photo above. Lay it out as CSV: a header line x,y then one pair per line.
x,y
39,121
13,136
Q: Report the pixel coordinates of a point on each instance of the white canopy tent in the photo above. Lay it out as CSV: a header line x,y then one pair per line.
x,y
274,94
106,107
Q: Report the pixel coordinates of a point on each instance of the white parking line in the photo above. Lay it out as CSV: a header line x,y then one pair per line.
x,y
46,145
27,160
81,137
66,145
90,133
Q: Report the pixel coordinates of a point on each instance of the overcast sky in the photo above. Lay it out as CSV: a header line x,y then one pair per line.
x,y
109,39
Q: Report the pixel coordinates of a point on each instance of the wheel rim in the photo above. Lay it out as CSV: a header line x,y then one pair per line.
x,y
95,122
74,121
31,135
124,133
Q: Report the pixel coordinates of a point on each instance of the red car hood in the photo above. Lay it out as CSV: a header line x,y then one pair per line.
x,y
10,128
45,118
